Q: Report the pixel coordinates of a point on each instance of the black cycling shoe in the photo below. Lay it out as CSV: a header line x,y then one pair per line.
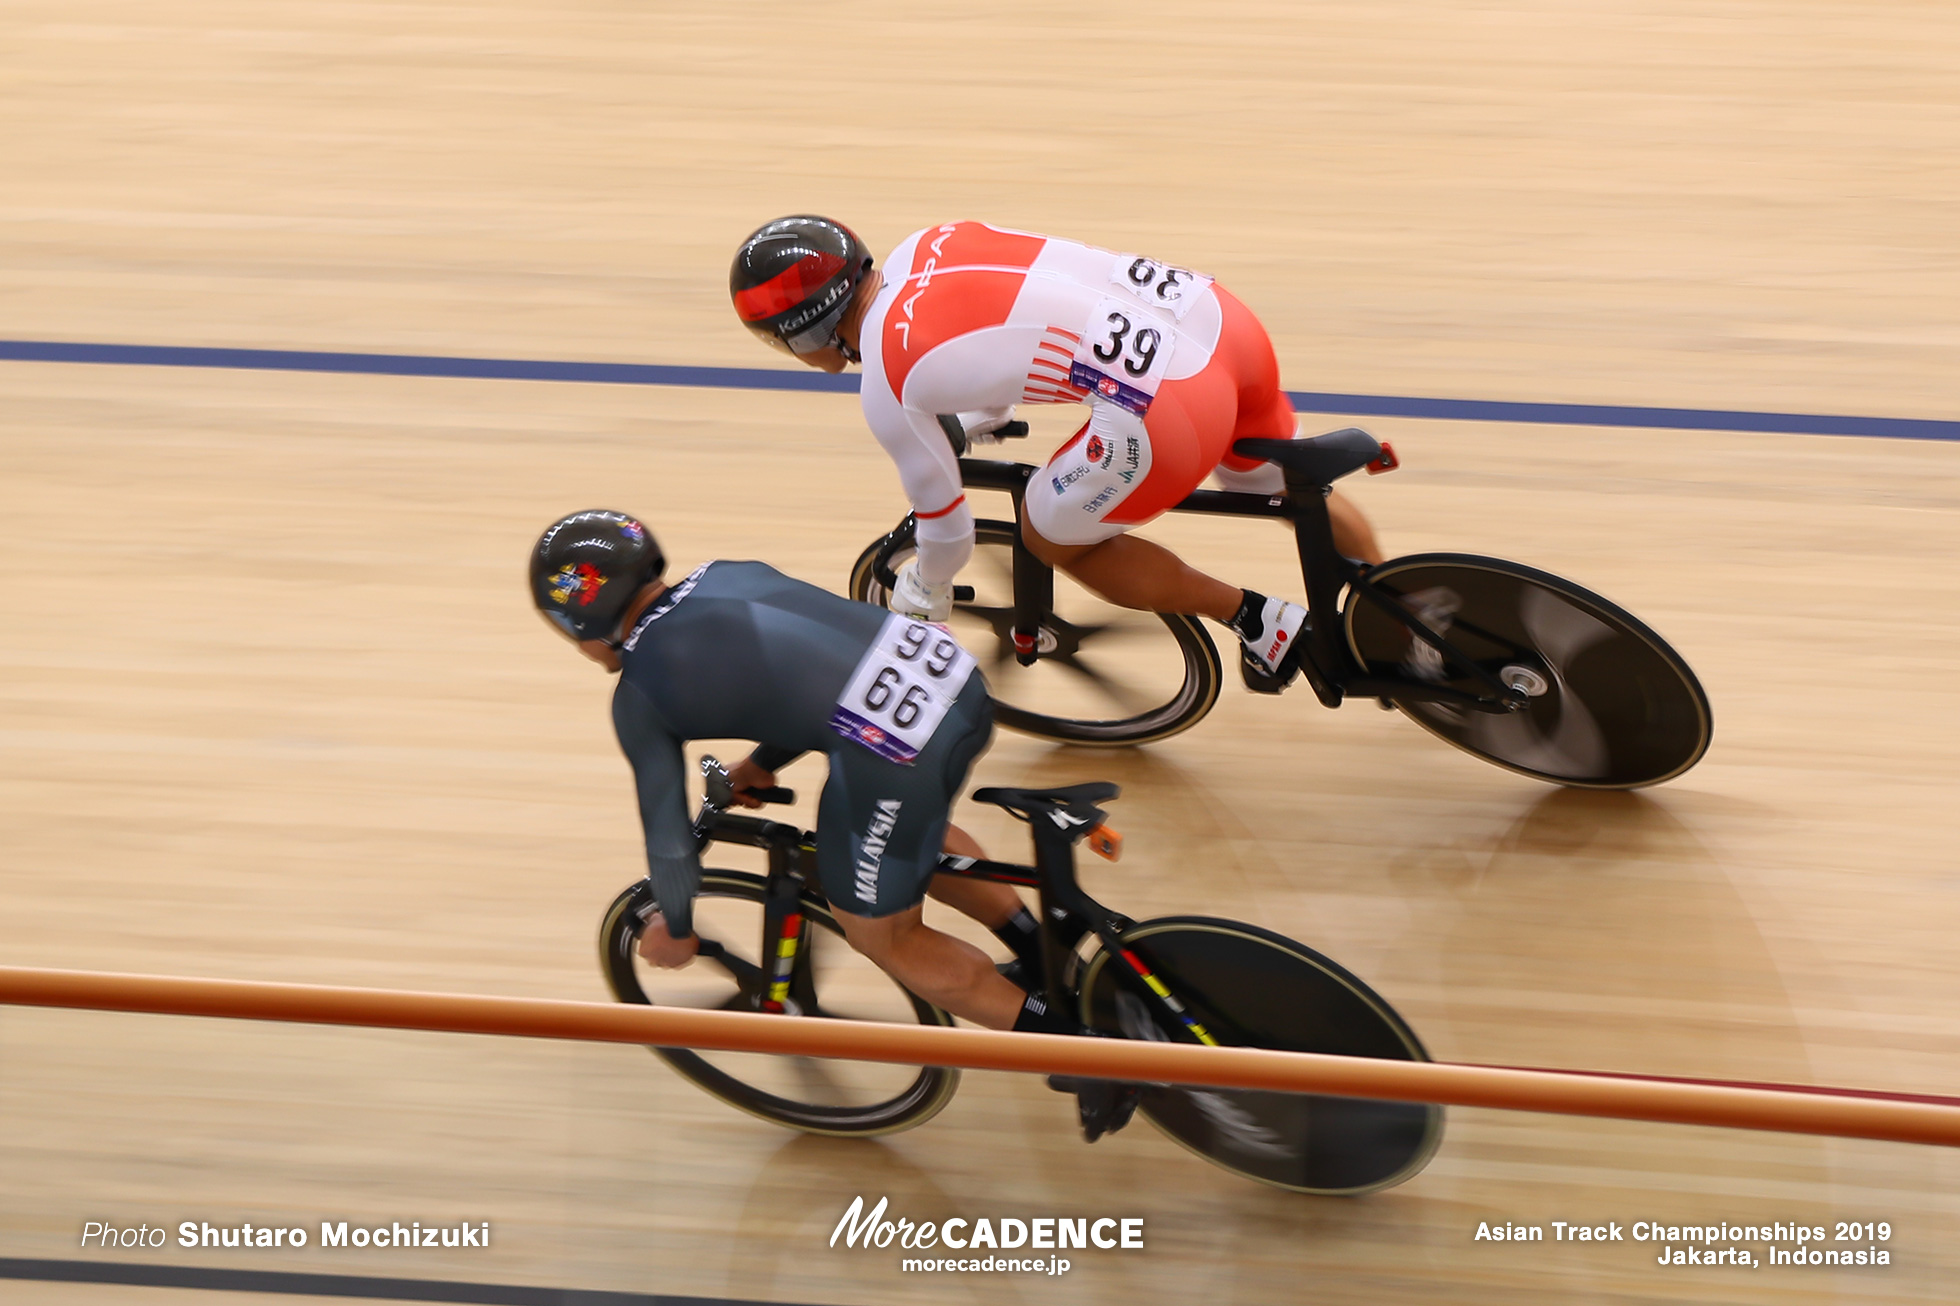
x,y
1019,974
1105,1105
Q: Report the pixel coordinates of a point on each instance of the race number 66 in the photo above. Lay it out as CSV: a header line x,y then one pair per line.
x,y
923,647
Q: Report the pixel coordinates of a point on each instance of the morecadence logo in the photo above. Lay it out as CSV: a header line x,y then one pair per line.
x,y
875,1228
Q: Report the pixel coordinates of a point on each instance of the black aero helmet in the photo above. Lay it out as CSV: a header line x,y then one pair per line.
x,y
793,279
587,568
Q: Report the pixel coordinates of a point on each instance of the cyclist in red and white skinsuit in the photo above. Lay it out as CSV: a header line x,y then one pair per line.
x,y
971,319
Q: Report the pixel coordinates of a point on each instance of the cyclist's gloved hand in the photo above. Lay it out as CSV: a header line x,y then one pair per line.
x,y
920,599
747,775
662,949
981,423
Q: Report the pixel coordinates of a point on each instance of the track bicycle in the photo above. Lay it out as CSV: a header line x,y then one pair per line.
x,y
1512,664
769,943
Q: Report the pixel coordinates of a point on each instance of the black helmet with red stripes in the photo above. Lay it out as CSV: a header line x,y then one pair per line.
x,y
793,279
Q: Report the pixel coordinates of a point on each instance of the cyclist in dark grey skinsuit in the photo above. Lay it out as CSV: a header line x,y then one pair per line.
x,y
739,650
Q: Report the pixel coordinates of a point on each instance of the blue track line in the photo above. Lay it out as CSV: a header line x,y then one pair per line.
x,y
482,369
761,378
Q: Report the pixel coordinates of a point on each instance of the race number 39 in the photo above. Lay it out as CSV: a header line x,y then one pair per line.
x,y
1123,355
902,689
1171,289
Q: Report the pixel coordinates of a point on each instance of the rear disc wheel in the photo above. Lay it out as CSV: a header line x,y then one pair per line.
x,y
1610,705
1254,988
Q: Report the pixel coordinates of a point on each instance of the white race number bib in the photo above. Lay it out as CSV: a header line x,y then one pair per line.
x,y
1124,353
1169,289
902,689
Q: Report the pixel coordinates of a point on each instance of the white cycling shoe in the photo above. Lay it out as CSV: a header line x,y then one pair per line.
x,y
1270,660
921,599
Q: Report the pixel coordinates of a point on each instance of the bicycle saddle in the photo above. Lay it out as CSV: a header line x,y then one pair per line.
x,y
1323,459
1074,800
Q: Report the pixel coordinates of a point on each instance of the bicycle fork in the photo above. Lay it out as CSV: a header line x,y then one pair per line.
x,y
785,987
1034,595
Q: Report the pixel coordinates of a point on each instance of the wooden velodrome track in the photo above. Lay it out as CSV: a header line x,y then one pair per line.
x,y
275,706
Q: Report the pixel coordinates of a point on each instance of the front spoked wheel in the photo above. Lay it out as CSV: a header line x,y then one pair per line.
x,y
1254,988
1106,675
1610,704
831,981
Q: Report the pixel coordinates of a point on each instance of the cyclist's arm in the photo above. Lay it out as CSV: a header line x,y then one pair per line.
x,y
930,473
660,776
773,757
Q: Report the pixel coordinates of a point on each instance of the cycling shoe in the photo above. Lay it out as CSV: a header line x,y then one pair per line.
x,y
1105,1105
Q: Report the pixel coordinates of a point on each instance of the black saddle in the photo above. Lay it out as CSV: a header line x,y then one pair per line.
x,y
1322,460
1077,803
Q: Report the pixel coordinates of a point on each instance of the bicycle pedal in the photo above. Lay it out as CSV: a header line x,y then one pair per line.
x,y
1102,1105
1261,681
1121,1110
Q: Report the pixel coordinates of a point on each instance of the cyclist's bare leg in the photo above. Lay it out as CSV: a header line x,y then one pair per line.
x,y
938,967
959,843
1135,573
990,902
1353,535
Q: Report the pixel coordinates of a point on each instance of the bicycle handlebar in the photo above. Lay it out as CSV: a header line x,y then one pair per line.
x,y
957,437
720,796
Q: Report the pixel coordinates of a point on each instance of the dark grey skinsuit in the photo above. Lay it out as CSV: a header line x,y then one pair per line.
x,y
740,651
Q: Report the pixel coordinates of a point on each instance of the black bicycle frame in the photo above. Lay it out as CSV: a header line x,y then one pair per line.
x,y
785,933
792,873
1330,668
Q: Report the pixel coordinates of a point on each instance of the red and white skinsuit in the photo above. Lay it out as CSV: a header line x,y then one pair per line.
x,y
974,319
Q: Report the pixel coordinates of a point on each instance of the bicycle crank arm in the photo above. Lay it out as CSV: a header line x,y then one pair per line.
x,y
748,977
1452,655
1419,691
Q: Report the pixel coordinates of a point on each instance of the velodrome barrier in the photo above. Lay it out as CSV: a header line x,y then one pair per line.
x,y
1843,1113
